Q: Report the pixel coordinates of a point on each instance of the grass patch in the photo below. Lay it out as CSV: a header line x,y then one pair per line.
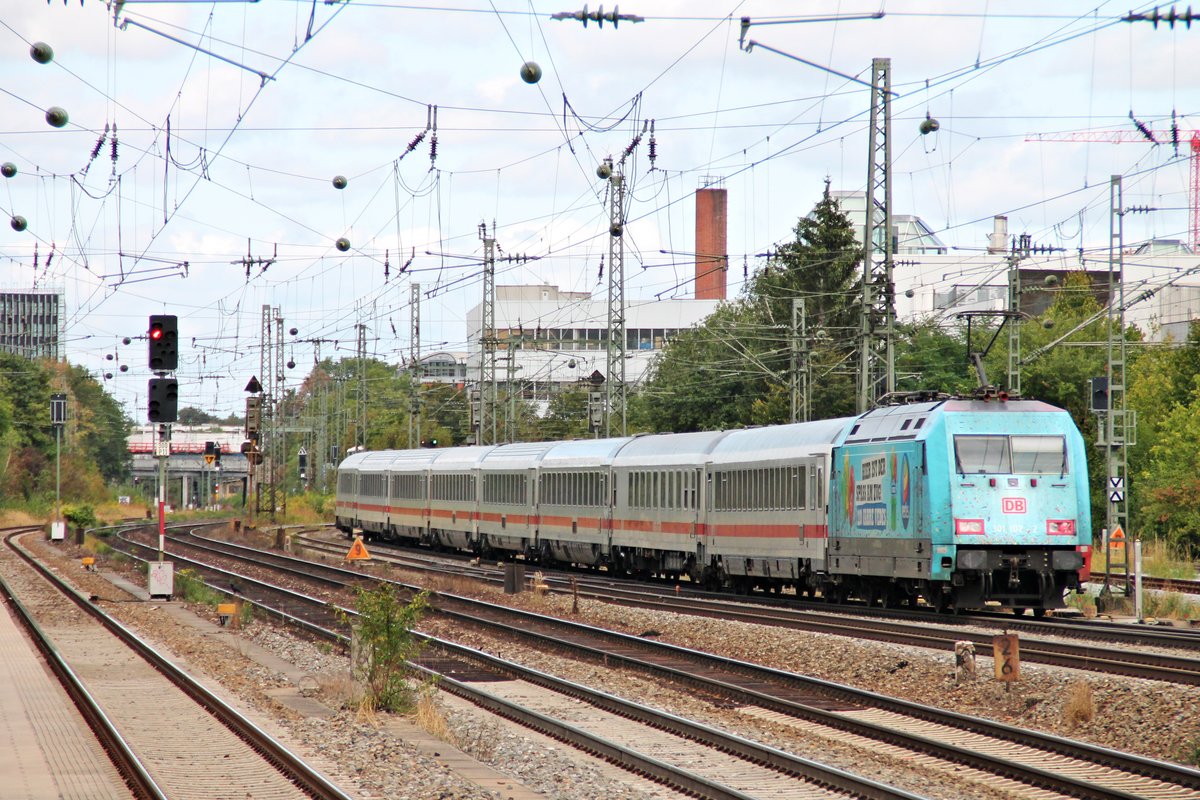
x,y
339,690
1169,605
1189,752
1085,603
190,586
428,714
97,546
1159,559
1155,605
16,517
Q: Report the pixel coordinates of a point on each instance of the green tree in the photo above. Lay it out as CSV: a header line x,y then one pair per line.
x,y
929,356
1168,483
566,418
100,426
1163,390
195,416
734,369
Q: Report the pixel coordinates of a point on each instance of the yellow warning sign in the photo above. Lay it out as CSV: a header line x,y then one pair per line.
x,y
358,551
209,458
1117,540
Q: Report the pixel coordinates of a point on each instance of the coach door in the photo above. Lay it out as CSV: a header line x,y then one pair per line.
x,y
690,501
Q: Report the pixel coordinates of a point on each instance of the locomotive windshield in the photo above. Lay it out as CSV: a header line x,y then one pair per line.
x,y
1010,455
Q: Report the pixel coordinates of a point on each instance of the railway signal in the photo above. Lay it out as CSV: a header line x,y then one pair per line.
x,y
163,402
163,336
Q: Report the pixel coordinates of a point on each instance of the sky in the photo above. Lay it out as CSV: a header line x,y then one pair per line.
x,y
231,121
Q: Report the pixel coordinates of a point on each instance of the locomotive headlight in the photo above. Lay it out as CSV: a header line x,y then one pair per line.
x,y
1060,527
968,527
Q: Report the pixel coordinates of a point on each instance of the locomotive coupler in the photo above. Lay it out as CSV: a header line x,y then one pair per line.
x,y
1014,578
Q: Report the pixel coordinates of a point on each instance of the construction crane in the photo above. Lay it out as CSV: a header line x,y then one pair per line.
x,y
1143,133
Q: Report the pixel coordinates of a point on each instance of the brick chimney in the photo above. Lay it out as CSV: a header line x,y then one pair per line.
x,y
712,257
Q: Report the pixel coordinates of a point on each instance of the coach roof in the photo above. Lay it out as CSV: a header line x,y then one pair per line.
x,y
518,455
460,459
668,449
583,453
780,441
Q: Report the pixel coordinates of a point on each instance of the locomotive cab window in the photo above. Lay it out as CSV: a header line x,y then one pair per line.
x,y
981,454
1010,455
1039,455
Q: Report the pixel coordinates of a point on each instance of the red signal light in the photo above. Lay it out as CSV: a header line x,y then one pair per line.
x,y
156,332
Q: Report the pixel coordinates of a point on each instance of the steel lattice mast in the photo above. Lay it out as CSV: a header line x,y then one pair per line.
x,y
414,363
615,420
1118,426
487,343
877,374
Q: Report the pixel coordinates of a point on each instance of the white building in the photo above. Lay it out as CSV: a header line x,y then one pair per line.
x,y
1162,283
550,339
911,234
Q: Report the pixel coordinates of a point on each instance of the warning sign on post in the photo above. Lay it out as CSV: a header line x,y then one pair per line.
x,y
358,551
1117,540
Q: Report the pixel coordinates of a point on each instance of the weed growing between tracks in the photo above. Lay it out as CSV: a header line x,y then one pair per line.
x,y
1189,752
1079,707
429,714
383,645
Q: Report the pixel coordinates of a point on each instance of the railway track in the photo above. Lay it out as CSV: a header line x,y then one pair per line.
x,y
165,732
684,755
1048,762
1166,636
1181,585
921,630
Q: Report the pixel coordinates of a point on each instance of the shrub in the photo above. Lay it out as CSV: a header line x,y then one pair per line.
x,y
80,515
385,643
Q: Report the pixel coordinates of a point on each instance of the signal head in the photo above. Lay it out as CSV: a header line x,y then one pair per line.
x,y
163,336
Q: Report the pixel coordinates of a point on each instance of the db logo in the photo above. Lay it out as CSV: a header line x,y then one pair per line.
x,y
1012,505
